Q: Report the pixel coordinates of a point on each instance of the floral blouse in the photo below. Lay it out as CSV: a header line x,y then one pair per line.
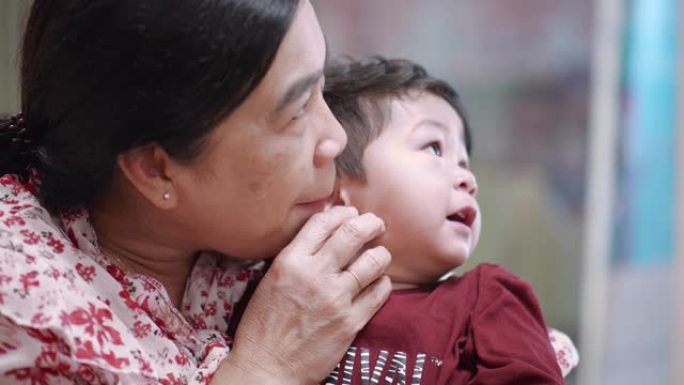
x,y
68,315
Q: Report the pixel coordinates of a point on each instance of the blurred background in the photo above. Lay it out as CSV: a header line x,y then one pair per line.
x,y
576,132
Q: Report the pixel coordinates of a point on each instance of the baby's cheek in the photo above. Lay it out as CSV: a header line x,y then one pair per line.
x,y
477,229
405,218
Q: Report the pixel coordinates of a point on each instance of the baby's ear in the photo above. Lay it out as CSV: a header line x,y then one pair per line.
x,y
340,196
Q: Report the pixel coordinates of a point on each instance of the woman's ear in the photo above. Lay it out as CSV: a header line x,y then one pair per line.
x,y
148,170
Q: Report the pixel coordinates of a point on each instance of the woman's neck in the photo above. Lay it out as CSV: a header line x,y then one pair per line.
x,y
140,243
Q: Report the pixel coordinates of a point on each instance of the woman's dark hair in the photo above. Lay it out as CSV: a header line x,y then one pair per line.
x,y
355,89
100,77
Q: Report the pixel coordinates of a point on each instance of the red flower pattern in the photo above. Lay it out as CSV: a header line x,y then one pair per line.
x,y
145,365
95,321
56,245
30,238
29,280
14,221
170,380
33,376
86,272
40,319
141,329
14,210
181,359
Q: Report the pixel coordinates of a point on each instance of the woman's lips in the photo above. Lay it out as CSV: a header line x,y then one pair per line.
x,y
315,206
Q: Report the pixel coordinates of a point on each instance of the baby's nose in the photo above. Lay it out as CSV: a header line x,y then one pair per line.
x,y
465,180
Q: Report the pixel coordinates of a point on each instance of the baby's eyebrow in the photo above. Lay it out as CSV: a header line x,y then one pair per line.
x,y
433,123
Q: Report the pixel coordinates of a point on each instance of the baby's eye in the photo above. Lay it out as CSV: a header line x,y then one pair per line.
x,y
435,148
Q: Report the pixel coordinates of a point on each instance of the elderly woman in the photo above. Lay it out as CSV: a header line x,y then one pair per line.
x,y
156,138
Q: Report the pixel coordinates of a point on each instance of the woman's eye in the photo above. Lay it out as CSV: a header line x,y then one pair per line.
x,y
303,110
300,113
434,148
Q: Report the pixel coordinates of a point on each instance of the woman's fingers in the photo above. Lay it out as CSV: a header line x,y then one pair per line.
x,y
350,237
370,299
319,228
366,269
318,293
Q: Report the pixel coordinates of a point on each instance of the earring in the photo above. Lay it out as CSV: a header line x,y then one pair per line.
x,y
166,196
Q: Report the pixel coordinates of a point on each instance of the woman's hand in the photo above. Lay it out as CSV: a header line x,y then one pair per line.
x,y
311,303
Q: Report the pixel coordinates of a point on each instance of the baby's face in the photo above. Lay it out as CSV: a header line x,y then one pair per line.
x,y
419,182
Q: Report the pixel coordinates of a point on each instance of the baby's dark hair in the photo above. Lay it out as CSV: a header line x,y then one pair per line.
x,y
355,90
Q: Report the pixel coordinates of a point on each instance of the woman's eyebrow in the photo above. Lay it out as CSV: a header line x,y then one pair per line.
x,y
297,89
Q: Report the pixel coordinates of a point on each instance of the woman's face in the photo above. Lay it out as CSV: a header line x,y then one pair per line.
x,y
269,166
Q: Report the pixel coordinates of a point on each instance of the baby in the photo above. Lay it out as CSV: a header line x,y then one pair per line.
x,y
407,161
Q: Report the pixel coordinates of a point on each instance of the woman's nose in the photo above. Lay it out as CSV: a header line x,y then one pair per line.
x,y
332,140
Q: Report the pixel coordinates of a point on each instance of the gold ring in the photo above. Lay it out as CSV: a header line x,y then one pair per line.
x,y
356,277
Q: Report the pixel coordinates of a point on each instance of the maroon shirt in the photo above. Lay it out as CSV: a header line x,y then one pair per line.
x,y
485,327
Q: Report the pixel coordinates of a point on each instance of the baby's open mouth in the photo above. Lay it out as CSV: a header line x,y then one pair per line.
x,y
466,215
